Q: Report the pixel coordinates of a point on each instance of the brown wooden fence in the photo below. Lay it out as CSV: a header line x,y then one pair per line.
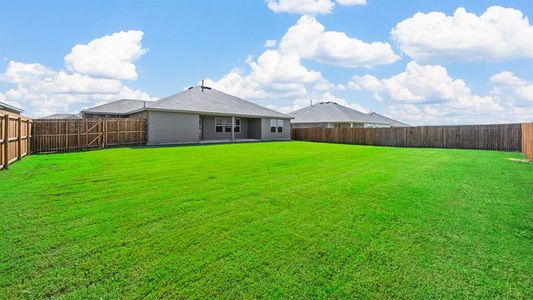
x,y
505,137
527,140
71,135
14,140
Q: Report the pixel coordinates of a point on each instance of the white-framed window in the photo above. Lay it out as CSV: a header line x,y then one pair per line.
x,y
219,123
276,125
237,125
224,125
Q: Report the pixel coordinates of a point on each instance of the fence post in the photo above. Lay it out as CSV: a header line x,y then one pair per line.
x,y
19,138
66,135
6,141
28,140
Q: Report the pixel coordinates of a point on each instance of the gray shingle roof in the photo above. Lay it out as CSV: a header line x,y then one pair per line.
x,y
119,107
331,112
211,101
388,120
7,107
60,116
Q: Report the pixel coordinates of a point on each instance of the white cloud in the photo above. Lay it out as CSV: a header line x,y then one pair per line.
x,y
272,75
309,39
111,56
18,72
279,73
270,43
499,33
309,7
507,83
42,91
351,2
301,6
427,94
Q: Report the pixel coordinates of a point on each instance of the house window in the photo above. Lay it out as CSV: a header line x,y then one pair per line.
x,y
237,125
227,125
280,126
224,125
218,124
273,123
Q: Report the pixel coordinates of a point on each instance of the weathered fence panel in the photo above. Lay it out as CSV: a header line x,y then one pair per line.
x,y
527,140
71,135
15,136
505,137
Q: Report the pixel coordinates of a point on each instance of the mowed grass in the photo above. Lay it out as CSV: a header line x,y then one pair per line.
x,y
267,220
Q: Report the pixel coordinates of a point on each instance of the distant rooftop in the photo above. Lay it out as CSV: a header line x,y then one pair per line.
x,y
119,107
331,112
60,116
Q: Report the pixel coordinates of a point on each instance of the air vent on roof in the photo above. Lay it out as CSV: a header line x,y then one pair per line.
x,y
191,87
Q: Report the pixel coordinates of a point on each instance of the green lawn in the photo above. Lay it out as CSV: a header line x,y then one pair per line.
x,y
274,220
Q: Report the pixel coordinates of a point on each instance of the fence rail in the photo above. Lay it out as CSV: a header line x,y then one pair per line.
x,y
71,135
504,137
15,139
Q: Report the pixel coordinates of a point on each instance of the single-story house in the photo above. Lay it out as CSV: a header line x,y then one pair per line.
x,y
334,115
6,109
200,115
60,117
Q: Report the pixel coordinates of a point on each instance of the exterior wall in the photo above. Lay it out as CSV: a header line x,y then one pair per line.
x,y
254,128
209,130
172,128
139,115
273,136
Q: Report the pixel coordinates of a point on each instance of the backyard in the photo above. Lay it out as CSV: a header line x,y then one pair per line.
x,y
274,220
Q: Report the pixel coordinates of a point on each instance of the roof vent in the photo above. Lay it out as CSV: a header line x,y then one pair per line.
x,y
191,87
204,87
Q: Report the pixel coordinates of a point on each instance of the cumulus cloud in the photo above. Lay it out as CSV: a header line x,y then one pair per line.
x,y
507,83
311,7
301,6
351,2
310,40
41,90
427,94
280,73
498,34
270,43
111,56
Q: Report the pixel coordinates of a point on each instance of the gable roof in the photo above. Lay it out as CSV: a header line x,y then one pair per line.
x,y
10,108
211,101
119,107
388,120
60,116
331,112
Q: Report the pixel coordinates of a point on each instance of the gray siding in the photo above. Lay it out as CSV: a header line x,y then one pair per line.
x,y
254,129
209,130
172,128
267,135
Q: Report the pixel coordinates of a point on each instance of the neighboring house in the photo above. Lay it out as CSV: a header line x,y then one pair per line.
x,y
6,109
387,120
117,109
60,117
200,114
333,115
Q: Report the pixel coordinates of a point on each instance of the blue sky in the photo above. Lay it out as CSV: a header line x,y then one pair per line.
x,y
174,44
